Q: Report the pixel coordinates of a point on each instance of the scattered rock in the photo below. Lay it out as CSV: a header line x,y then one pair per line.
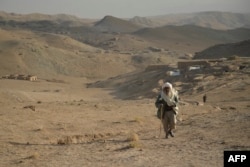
x,y
33,108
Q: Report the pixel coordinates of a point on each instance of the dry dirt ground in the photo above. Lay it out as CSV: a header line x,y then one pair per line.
x,y
63,123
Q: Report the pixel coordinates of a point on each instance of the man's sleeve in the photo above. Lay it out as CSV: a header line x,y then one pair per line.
x,y
158,101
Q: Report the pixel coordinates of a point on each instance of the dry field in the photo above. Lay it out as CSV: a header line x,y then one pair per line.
x,y
72,125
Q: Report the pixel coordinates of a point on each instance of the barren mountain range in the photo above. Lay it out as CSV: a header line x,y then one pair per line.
x,y
109,35
214,20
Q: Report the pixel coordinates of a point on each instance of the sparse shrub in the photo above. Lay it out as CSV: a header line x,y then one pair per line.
x,y
34,156
133,137
57,90
66,140
134,144
55,80
134,141
234,57
139,120
75,139
40,128
33,49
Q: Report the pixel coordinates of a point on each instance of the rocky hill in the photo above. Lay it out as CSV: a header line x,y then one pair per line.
x,y
113,24
188,37
45,54
240,49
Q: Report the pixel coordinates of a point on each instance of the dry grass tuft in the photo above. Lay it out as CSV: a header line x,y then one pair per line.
x,y
75,139
133,137
40,128
55,80
65,140
135,144
139,120
36,155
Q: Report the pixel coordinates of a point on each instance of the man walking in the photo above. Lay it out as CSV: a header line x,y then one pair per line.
x,y
168,100
204,98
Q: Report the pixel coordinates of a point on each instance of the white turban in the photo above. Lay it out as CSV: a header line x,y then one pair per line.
x,y
169,98
167,85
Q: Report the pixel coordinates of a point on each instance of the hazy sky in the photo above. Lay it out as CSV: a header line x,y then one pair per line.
x,y
121,8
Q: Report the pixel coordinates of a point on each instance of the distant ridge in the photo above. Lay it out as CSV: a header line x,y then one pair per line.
x,y
58,18
143,21
211,19
194,33
113,24
240,49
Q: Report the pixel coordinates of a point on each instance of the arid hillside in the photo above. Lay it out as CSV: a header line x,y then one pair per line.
x,y
48,46
239,49
112,24
48,55
192,38
196,81
44,54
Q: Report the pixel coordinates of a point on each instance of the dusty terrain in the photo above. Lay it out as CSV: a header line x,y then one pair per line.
x,y
93,102
73,125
